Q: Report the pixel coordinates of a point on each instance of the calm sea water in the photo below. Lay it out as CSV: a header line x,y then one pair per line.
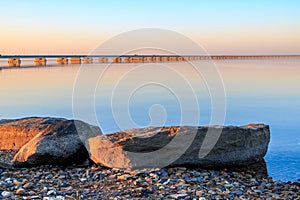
x,y
257,91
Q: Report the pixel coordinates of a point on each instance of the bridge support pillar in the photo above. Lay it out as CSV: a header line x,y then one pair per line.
x,y
14,62
158,59
164,59
102,60
87,60
75,60
134,59
62,61
150,59
40,62
126,59
173,58
116,60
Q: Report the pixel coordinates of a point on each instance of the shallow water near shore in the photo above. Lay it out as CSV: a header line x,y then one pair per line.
x,y
257,91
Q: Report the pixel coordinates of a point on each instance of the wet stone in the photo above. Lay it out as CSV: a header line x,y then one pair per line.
x,y
178,196
5,194
20,191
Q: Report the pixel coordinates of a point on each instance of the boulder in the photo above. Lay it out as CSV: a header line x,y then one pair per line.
x,y
59,141
15,133
205,147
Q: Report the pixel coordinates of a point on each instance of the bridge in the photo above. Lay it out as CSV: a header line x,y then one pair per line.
x,y
41,60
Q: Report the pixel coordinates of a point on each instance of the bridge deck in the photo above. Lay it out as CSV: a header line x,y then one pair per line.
x,y
123,56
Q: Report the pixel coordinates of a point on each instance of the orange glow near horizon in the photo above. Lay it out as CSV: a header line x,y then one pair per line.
x,y
213,44
220,42
233,27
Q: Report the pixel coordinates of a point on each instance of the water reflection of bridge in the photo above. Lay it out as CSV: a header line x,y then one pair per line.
x,y
41,60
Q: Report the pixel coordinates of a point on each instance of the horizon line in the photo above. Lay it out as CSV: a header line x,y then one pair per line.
x,y
142,55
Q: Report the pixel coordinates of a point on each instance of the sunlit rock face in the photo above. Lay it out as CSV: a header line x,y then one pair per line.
x,y
61,141
234,146
46,140
17,132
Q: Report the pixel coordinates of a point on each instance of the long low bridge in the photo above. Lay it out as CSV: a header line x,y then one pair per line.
x,y
41,60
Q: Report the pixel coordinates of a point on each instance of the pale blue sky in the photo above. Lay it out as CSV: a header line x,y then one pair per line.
x,y
220,26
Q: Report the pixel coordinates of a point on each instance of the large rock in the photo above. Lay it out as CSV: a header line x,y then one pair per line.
x,y
17,132
57,142
228,146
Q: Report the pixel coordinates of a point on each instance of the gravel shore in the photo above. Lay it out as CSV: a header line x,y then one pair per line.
x,y
94,182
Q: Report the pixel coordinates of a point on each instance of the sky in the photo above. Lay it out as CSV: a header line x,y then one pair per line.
x,y
221,27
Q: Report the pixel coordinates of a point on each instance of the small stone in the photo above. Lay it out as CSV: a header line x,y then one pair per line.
x,y
20,191
51,192
66,188
5,194
35,197
228,185
16,183
154,176
148,180
211,192
28,185
236,184
113,176
178,196
139,189
276,197
8,180
236,192
181,181
199,193
123,177
48,198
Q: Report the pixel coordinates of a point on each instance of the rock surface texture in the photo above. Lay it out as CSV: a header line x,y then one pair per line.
x,y
64,142
232,146
16,133
55,141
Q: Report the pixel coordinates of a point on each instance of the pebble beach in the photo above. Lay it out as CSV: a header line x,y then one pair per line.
x,y
95,182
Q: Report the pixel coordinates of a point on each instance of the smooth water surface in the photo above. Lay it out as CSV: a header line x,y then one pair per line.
x,y
257,91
